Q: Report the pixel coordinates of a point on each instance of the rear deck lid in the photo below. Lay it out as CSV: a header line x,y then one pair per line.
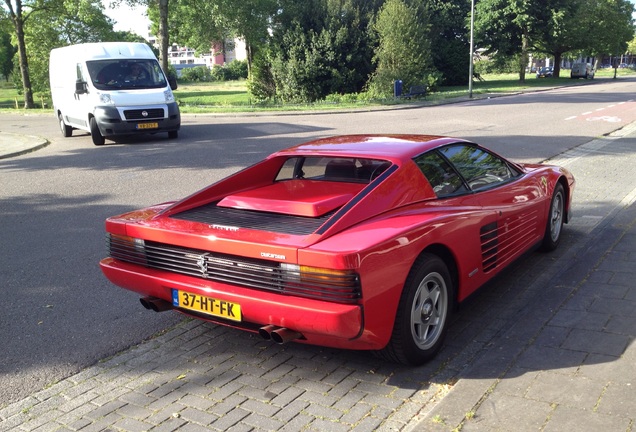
x,y
294,198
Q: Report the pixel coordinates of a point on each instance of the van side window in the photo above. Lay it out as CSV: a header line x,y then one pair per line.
x,y
80,74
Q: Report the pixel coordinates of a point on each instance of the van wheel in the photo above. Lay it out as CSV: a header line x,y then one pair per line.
x,y
173,134
67,130
423,313
96,135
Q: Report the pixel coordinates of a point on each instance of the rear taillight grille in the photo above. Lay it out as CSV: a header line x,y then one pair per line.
x,y
342,287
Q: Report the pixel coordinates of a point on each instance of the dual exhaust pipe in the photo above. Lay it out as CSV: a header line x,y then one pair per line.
x,y
280,335
156,304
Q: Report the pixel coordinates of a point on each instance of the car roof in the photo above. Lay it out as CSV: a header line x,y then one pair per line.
x,y
392,147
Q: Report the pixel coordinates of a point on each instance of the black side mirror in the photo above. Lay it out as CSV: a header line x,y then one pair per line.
x,y
81,87
172,80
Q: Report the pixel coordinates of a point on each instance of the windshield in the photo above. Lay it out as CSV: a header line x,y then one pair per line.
x,y
126,74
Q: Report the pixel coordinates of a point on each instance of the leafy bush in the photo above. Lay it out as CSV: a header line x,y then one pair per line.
x,y
496,66
403,51
232,71
237,69
196,74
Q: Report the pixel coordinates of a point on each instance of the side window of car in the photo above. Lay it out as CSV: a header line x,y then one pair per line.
x,y
442,177
479,168
288,170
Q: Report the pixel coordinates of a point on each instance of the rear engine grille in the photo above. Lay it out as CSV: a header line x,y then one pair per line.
x,y
489,236
245,272
151,114
275,222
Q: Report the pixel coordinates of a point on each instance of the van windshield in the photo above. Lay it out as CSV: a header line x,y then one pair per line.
x,y
126,74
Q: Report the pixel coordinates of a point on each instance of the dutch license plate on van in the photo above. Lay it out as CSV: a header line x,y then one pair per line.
x,y
154,125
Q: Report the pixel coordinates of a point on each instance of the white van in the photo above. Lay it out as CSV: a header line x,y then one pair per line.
x,y
112,88
582,70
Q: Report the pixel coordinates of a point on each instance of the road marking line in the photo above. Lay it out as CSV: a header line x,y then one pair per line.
x,y
570,118
629,198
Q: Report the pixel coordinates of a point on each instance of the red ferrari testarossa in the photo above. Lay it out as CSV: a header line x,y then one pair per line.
x,y
361,242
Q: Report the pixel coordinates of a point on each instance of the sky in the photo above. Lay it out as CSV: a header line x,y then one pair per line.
x,y
128,19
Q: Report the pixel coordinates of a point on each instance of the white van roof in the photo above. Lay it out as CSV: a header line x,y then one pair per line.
x,y
108,50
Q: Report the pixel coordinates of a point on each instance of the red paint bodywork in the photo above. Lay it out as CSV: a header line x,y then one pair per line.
x,y
385,227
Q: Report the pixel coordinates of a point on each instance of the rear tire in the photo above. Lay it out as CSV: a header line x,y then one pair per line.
x,y
96,135
423,313
67,130
554,225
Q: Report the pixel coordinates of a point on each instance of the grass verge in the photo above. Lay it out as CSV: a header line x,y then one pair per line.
x,y
232,96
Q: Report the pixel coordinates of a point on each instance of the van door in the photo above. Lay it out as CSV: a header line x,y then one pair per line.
x,y
79,99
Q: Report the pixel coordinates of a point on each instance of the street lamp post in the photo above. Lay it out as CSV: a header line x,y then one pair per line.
x,y
472,27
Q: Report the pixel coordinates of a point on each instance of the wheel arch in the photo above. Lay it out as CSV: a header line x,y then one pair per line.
x,y
447,256
400,346
568,197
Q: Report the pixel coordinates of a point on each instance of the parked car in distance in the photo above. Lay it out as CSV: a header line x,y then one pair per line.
x,y
362,242
582,70
545,72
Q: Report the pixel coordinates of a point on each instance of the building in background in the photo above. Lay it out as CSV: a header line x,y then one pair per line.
x,y
220,54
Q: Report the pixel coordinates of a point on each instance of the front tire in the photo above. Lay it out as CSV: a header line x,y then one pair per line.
x,y
173,134
423,313
96,135
67,130
554,225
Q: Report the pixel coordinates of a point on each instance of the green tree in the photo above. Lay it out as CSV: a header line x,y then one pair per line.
x,y
69,22
587,27
450,39
198,23
160,10
609,26
18,13
404,49
562,32
245,19
631,48
7,50
318,47
507,28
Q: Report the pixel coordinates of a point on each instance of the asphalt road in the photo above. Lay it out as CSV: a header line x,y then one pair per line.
x,y
59,313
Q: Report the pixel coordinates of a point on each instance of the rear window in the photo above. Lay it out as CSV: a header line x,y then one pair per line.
x,y
353,170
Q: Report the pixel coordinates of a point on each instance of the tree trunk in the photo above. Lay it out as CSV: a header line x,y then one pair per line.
x,y
18,22
523,61
557,65
250,57
164,41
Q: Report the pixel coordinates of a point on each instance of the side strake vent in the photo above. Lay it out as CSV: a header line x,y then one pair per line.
x,y
489,246
308,282
275,222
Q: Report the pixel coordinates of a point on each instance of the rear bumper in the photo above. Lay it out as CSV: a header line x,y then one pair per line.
x,y
112,122
321,323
